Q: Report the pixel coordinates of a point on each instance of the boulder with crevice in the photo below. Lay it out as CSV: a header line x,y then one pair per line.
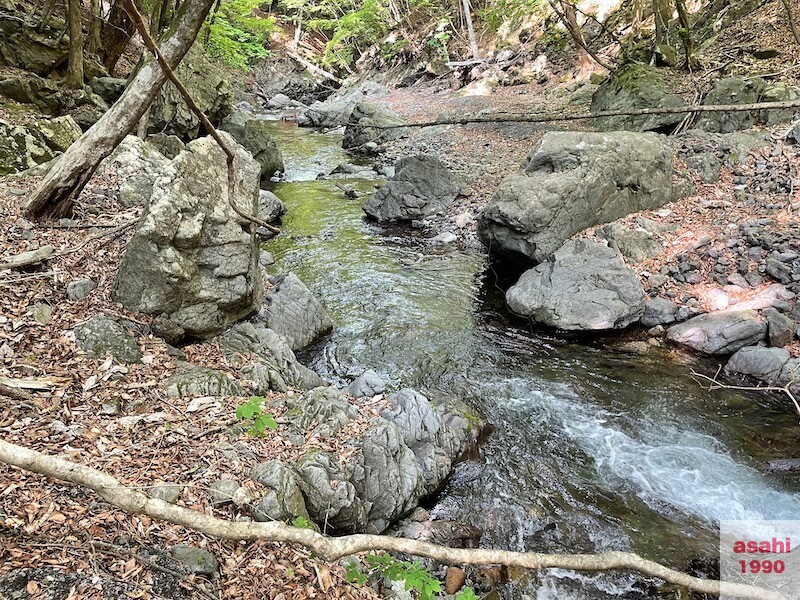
x,y
571,181
138,164
402,456
270,362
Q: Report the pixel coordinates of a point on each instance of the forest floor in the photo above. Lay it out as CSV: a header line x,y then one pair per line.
x,y
58,540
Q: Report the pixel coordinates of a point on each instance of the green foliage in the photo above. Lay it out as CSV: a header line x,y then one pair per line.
x,y
440,40
301,523
235,35
253,410
352,32
415,576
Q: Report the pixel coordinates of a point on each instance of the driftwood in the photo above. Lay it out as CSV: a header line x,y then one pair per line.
x,y
14,393
29,258
331,549
539,118
141,26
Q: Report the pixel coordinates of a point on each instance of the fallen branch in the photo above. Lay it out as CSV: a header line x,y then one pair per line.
x,y
331,549
14,393
715,384
313,68
666,110
29,258
141,26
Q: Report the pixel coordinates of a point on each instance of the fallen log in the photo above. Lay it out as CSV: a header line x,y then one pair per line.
x,y
333,548
28,258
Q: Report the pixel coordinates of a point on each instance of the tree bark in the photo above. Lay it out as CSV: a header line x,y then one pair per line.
x,y
473,44
95,27
575,32
49,6
75,66
117,32
686,35
584,62
331,549
55,195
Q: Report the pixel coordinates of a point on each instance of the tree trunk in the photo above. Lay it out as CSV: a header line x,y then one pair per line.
x,y
662,12
95,28
584,61
686,35
49,6
470,30
75,67
298,30
117,32
56,194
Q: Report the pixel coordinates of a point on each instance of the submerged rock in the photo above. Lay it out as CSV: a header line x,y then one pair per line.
x,y
585,286
571,181
191,258
721,332
765,364
422,186
291,310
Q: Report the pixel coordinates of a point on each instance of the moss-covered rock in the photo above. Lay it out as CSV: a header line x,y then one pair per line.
x,y
633,87
209,87
731,90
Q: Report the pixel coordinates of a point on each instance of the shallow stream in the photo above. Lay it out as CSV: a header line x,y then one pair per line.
x,y
591,449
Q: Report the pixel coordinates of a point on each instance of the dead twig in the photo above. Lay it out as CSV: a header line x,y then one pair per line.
x,y
715,384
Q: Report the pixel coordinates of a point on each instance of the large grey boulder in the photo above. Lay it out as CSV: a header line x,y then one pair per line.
x,y
100,336
284,499
137,165
273,365
422,186
291,310
108,88
209,87
731,90
575,180
634,87
326,115
370,123
258,140
779,92
403,456
766,364
191,258
585,286
721,332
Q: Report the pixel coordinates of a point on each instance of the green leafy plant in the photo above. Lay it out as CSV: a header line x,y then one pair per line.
x,y
236,33
414,574
301,523
352,32
253,410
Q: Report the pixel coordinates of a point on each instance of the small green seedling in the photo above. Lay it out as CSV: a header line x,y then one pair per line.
x,y
262,421
301,523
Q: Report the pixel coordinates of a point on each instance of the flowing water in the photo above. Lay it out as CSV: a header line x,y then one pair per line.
x,y
590,449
